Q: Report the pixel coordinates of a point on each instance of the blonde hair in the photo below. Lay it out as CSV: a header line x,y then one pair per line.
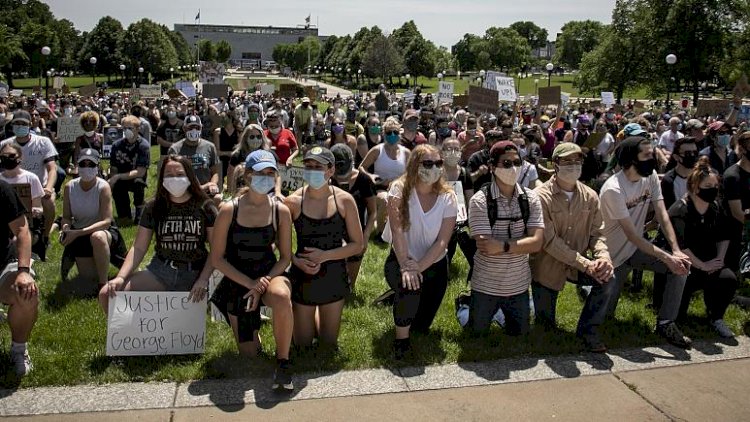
x,y
132,120
410,177
90,119
391,123
242,144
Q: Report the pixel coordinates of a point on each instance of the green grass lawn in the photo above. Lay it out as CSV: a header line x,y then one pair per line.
x,y
68,342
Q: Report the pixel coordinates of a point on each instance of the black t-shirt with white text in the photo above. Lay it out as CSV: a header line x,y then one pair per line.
x,y
182,236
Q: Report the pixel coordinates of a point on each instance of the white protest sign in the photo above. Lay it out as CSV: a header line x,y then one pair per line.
x,y
506,89
608,98
68,129
16,92
155,323
408,97
3,90
186,87
564,99
291,178
58,82
150,91
461,201
267,89
445,93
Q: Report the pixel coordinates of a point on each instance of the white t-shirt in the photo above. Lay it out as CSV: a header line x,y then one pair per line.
x,y
23,178
620,198
605,144
36,153
424,227
528,175
668,139
680,187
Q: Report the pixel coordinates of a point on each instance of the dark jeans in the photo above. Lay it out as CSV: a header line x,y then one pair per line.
x,y
60,181
65,153
417,308
121,196
718,291
515,308
545,300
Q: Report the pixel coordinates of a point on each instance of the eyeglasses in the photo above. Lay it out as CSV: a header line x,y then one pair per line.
x,y
511,163
86,164
453,150
392,132
254,138
428,164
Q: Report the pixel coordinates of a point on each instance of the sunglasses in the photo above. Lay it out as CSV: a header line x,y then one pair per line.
x,y
392,132
254,138
9,157
428,164
86,164
511,163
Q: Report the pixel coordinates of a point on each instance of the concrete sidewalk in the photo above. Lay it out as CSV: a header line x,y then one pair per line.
x,y
709,382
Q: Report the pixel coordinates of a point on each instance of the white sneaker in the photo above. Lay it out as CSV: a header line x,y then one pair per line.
x,y
721,327
21,361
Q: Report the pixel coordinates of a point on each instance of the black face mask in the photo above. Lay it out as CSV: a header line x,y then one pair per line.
x,y
9,163
689,160
709,194
645,168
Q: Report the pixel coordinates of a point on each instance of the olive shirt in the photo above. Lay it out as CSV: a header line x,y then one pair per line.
x,y
571,227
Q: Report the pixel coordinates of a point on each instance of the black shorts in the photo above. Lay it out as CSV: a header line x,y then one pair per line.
x,y
329,285
81,246
228,298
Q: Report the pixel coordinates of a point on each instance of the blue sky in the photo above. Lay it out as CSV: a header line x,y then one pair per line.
x,y
444,22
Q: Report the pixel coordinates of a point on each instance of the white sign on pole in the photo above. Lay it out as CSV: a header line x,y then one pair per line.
x,y
608,98
291,178
445,93
506,89
150,91
155,323
461,201
564,99
267,89
408,97
58,82
68,129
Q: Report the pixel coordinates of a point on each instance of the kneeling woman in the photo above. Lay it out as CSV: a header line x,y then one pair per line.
x,y
243,250
182,217
324,217
422,213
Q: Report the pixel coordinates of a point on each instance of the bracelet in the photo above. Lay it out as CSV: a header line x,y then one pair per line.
x,y
26,270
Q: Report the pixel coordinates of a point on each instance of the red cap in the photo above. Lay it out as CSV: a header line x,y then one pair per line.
x,y
501,147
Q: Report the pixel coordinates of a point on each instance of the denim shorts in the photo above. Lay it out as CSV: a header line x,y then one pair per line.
x,y
175,276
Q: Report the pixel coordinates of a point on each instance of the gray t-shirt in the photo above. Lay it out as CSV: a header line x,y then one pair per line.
x,y
202,154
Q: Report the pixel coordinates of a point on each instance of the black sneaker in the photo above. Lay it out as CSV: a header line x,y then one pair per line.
x,y
401,347
282,376
673,335
593,343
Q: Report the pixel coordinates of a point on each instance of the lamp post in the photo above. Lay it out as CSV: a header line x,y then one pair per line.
x,y
481,75
408,81
122,71
550,67
671,59
171,73
46,85
140,75
46,51
440,76
536,87
92,60
518,87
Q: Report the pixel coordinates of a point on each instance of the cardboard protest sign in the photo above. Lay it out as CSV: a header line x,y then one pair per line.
x,y
312,93
3,90
16,92
288,90
460,100
150,91
482,100
458,189
155,323
594,139
24,194
291,178
88,90
506,89
176,93
58,82
713,107
68,129
549,96
211,73
214,90
445,93
608,98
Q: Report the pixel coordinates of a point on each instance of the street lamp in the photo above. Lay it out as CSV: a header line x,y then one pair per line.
x,y
549,68
46,84
536,86
171,73
122,71
518,87
408,81
46,51
140,75
93,69
671,59
440,76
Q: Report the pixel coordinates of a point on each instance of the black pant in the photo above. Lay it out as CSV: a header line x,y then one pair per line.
x,y
120,194
718,291
417,308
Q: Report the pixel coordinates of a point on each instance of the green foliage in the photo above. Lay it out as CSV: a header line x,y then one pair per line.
x,y
184,53
298,56
223,51
417,51
575,39
104,42
146,45
206,50
507,48
535,36
11,48
382,59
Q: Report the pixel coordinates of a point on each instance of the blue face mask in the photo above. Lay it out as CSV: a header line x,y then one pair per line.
x,y
723,140
21,131
392,139
315,178
262,184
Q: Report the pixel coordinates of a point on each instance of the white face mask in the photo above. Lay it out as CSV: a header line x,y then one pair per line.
x,y
193,135
430,176
275,130
507,176
451,158
87,173
569,174
176,186
129,134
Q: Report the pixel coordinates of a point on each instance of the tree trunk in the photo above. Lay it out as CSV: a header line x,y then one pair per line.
x,y
695,93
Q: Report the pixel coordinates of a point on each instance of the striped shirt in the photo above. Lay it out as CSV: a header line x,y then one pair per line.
x,y
506,274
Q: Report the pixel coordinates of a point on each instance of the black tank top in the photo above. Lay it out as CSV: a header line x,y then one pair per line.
x,y
250,249
324,234
227,141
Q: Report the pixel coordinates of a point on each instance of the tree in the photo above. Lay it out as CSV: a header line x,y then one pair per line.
x,y
464,52
223,51
575,39
535,36
70,41
9,50
145,45
382,59
507,48
103,42
206,50
181,47
416,50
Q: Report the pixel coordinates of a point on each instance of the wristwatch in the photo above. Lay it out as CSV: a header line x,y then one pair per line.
x,y
506,246
26,270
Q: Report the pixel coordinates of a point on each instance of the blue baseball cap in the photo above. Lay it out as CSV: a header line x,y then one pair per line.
x,y
633,129
259,160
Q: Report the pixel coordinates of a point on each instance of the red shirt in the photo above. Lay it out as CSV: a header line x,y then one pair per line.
x,y
283,144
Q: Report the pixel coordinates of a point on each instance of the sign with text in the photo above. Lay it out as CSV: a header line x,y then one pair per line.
x,y
267,89
24,194
445,93
150,91
214,90
712,108
111,134
68,129
458,189
564,99
409,97
482,100
608,98
489,79
87,90
460,100
155,323
288,90
186,87
58,82
550,96
291,178
211,73
506,89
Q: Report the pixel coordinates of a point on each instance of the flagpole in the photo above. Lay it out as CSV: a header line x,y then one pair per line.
x,y
198,49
